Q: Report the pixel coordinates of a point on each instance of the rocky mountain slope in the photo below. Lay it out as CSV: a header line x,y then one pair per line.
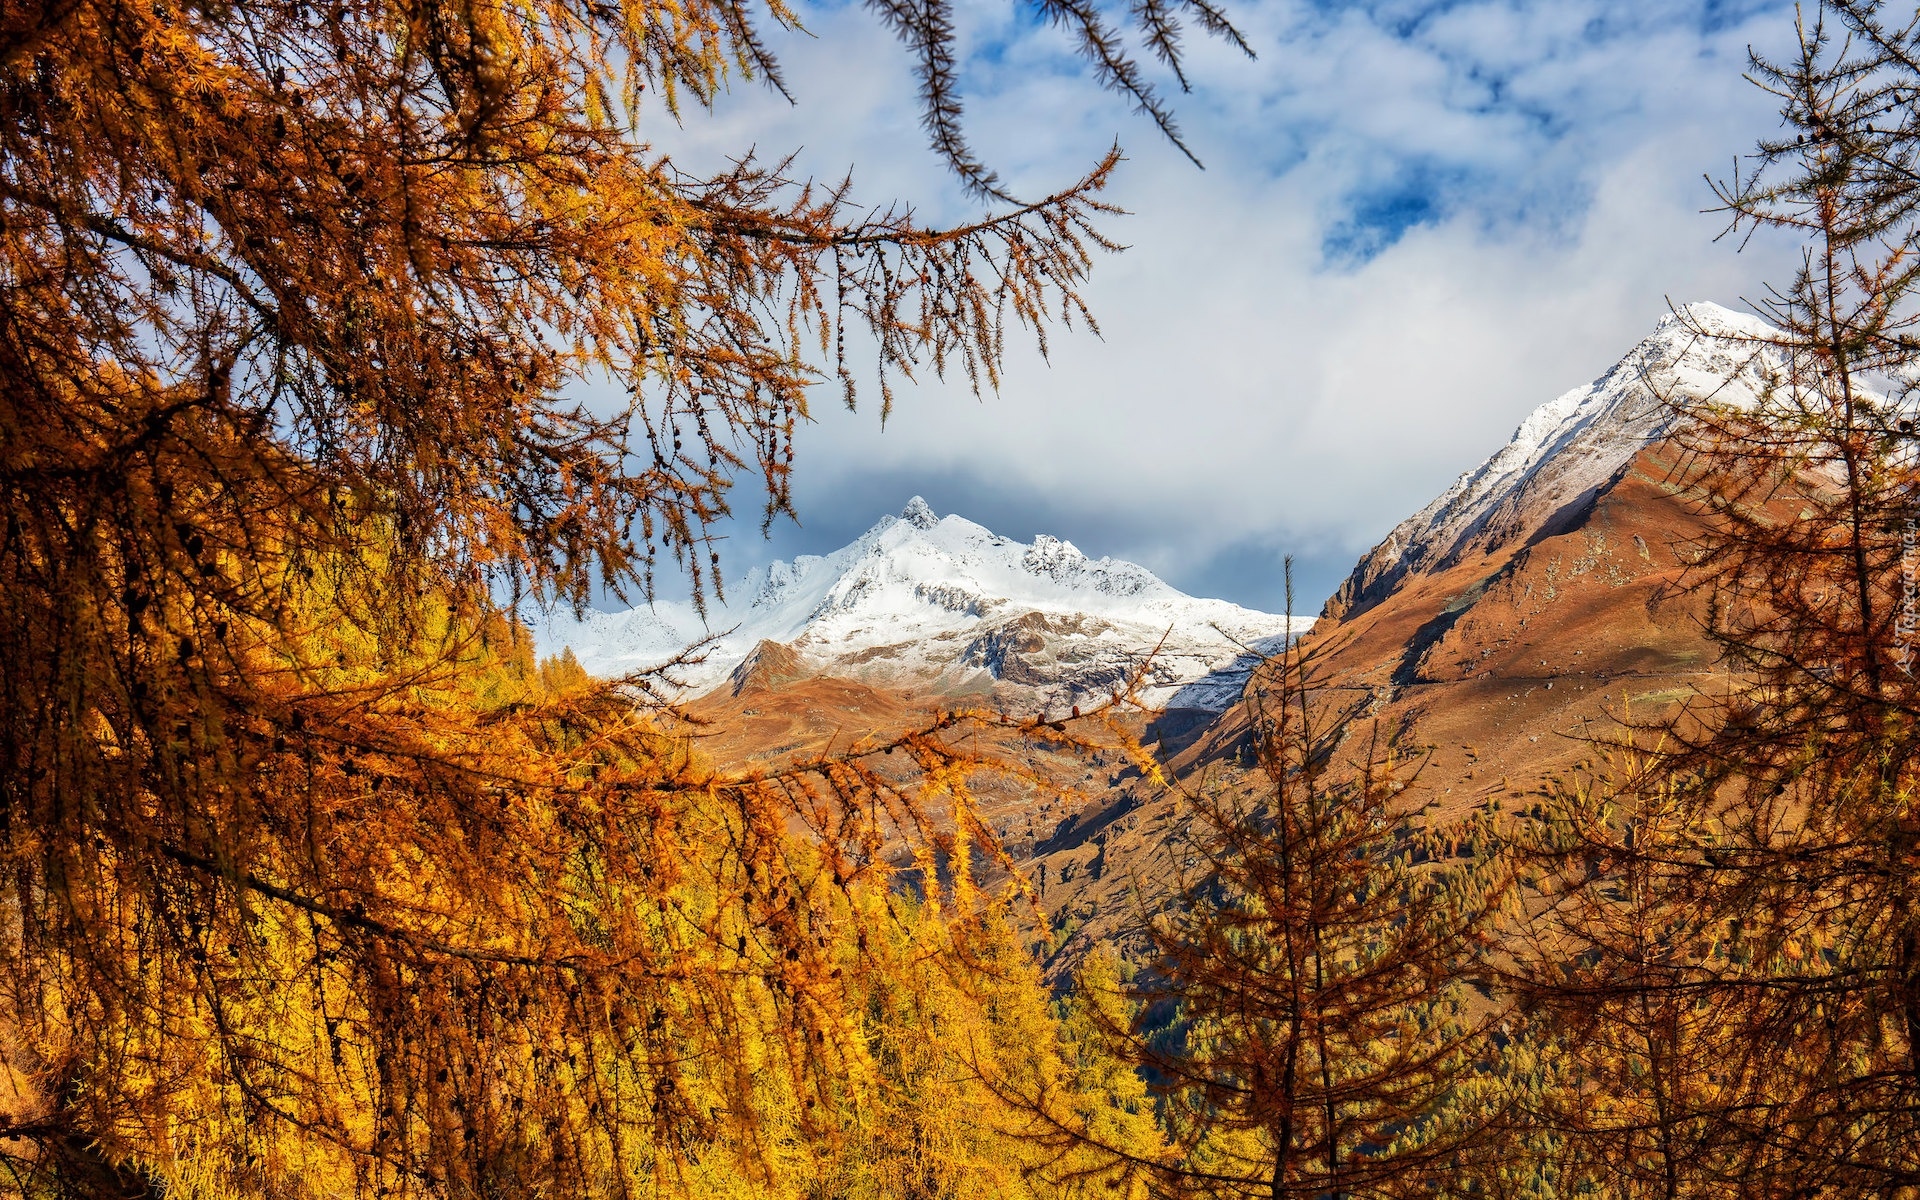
x,y
944,604
1569,450
1537,601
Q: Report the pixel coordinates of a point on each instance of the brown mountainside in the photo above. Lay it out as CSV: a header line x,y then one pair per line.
x,y
1499,661
1503,661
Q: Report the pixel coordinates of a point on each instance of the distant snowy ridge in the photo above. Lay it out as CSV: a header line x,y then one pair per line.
x,y
947,603
1572,445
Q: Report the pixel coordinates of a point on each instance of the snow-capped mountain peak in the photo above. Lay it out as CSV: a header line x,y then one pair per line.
x,y
947,602
1575,443
918,514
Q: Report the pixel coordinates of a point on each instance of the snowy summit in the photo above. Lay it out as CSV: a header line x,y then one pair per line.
x,y
944,602
1574,444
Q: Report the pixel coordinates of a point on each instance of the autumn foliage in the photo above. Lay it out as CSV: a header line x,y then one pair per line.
x,y
314,882
1731,946
332,332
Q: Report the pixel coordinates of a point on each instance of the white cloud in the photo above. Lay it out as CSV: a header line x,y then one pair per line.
x,y
1417,223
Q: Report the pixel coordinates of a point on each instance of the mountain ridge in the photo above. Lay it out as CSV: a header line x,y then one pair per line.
x,y
942,600
1499,630
1548,598
1571,448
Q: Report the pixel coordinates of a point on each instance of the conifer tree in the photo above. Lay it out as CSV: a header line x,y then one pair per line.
x,y
1649,1062
1318,964
303,866
1316,967
1738,901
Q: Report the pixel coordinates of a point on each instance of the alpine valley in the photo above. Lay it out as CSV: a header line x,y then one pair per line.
x,y
1533,602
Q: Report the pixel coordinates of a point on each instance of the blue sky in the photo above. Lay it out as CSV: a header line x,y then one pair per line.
x,y
1418,222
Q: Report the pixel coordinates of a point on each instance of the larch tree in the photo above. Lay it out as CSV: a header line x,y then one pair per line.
x,y
305,872
1769,831
1305,1005
1643,1062
1319,964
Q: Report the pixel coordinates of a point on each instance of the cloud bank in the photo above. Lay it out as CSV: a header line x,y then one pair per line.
x,y
1418,222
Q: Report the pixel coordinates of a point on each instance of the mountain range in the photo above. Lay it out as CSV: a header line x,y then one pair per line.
x,y
1533,603
942,603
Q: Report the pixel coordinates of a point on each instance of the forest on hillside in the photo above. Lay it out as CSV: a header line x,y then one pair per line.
x,y
315,882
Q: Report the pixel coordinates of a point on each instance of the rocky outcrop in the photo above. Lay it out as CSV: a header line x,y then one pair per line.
x,y
768,666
